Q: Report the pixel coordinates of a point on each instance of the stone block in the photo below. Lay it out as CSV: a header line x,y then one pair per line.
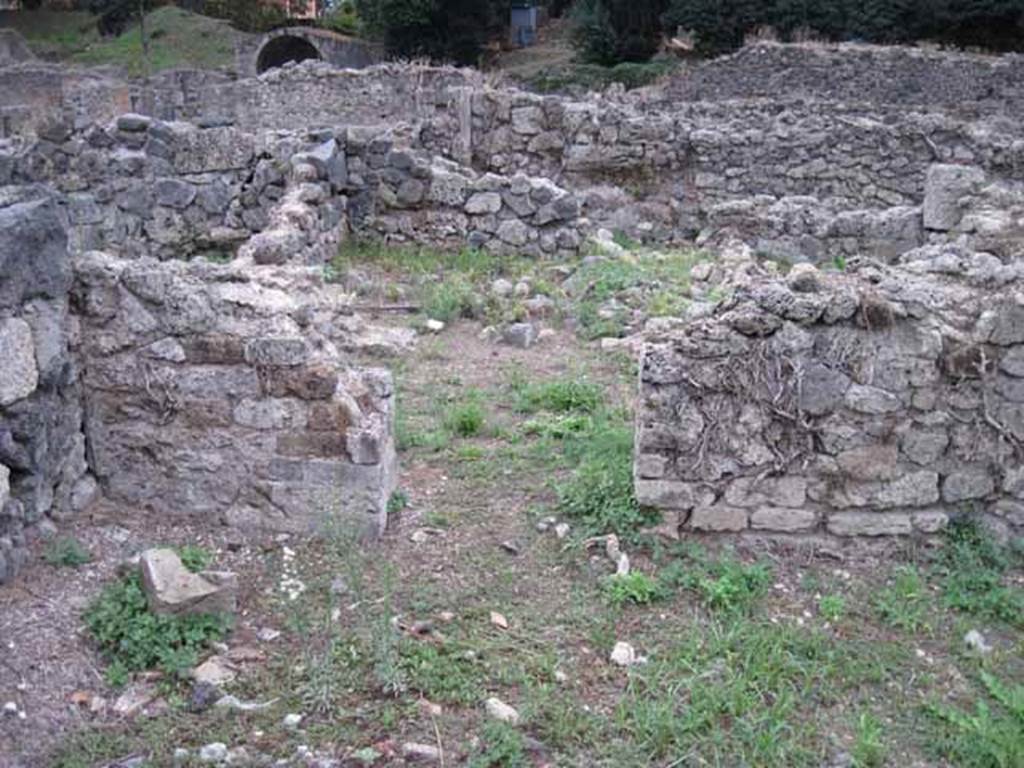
x,y
665,494
270,414
19,375
312,444
871,400
930,521
945,188
483,203
279,351
173,590
788,491
968,484
318,381
718,518
870,524
783,520
870,462
5,486
216,349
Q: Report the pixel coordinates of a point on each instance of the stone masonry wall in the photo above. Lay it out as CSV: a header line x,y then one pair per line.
x,y
225,392
883,401
42,450
172,190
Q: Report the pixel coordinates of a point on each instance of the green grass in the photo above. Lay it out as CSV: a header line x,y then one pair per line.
x,y
66,552
177,39
53,34
868,749
593,76
658,283
991,735
904,602
559,396
740,692
723,584
635,587
973,570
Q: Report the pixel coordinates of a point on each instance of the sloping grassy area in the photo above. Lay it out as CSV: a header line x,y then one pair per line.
x,y
53,34
177,39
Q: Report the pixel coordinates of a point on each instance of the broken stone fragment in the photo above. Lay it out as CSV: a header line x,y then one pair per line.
x,y
173,590
19,376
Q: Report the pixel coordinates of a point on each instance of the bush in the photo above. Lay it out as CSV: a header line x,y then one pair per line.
x,y
722,25
609,32
635,587
133,639
66,553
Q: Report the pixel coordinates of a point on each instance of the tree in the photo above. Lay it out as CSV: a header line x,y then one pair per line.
x,y
612,31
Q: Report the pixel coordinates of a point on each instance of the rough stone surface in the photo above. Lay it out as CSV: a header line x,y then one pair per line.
x,y
19,376
770,415
172,590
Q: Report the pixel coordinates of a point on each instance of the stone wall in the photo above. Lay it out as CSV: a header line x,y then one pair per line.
x,y
869,74
226,392
42,449
882,401
140,187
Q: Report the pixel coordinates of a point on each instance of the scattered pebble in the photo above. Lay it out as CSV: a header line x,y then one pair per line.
x,y
233,702
499,620
267,635
433,326
975,641
216,752
499,710
420,753
624,655
292,721
510,546
545,523
562,530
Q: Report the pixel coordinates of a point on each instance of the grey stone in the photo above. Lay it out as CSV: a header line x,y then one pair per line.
x,y
174,193
945,188
411,192
804,278
869,524
521,335
1012,362
968,484
173,590
19,375
133,123
782,519
5,486
870,462
718,518
513,232
483,202
280,351
871,400
822,389
664,494
788,491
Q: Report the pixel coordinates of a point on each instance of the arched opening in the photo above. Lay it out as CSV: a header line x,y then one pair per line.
x,y
283,49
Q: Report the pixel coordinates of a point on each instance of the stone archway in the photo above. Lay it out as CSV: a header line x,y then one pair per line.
x,y
279,50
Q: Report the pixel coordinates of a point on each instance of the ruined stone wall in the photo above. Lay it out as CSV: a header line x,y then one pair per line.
x,y
869,74
883,401
141,187
227,392
42,450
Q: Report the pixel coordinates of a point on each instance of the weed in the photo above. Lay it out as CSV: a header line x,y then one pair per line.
x,y
868,749
557,427
903,603
972,567
398,501
466,419
635,587
194,558
562,396
832,608
451,299
599,495
992,736
388,671
725,584
502,747
134,639
66,552
442,673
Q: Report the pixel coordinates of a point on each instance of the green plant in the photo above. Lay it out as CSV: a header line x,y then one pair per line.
x,y
724,584
442,673
973,568
868,749
398,501
635,587
133,639
562,396
195,558
992,736
832,607
557,427
903,602
66,552
466,419
599,495
502,747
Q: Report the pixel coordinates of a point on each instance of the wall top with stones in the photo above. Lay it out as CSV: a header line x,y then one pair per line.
x,y
880,401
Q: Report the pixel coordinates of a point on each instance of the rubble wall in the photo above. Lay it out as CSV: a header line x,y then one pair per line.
x,y
227,393
141,187
882,401
43,473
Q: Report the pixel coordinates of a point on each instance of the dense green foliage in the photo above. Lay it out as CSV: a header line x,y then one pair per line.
x,y
612,31
721,25
134,639
442,30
